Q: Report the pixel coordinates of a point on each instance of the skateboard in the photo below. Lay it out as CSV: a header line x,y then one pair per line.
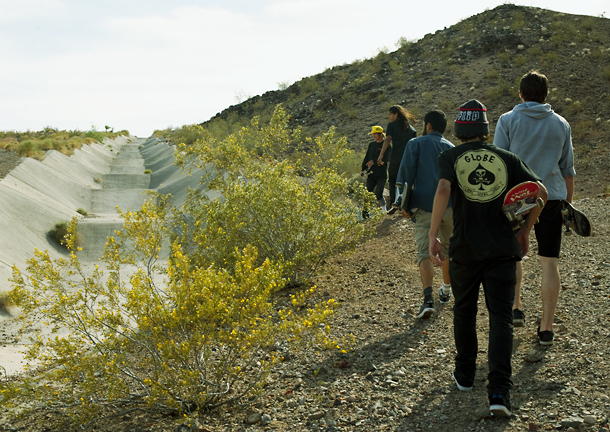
x,y
366,172
575,220
519,201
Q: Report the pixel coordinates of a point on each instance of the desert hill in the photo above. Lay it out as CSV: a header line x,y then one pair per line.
x,y
481,57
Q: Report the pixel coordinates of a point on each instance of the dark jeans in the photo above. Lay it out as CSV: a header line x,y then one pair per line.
x,y
498,277
376,185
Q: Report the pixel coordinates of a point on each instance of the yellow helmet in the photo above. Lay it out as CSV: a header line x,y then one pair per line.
x,y
376,129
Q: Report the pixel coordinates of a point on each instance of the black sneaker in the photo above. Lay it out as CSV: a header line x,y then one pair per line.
x,y
397,203
518,318
444,297
425,310
499,405
545,337
463,384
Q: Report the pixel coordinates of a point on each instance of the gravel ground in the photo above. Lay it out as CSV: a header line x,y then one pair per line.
x,y
8,161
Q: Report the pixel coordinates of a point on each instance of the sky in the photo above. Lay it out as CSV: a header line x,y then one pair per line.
x,y
143,65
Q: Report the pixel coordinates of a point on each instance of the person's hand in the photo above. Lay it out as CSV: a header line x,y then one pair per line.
x,y
380,161
435,250
370,163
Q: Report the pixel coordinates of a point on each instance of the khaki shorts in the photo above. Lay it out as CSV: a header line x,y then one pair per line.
x,y
422,230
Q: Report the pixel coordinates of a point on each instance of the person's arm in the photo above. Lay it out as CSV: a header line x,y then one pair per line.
x,y
441,199
570,187
523,235
386,144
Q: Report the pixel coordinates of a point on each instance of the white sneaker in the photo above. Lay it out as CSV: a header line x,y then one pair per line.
x,y
444,295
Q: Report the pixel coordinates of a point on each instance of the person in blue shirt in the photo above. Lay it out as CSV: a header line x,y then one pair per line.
x,y
419,171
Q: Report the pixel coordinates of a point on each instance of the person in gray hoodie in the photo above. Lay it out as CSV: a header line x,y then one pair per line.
x,y
543,140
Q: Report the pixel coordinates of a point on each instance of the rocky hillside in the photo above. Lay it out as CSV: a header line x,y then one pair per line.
x,y
481,57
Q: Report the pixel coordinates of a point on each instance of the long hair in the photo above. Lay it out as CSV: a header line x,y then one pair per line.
x,y
404,116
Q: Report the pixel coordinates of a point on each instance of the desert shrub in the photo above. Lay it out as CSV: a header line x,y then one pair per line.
x,y
335,85
318,114
296,194
48,144
97,136
347,104
587,23
519,60
606,73
147,171
59,233
82,211
206,337
502,88
25,148
505,57
491,73
403,42
347,108
550,57
293,221
308,86
427,96
447,105
583,127
5,302
534,52
519,20
573,107
283,85
203,328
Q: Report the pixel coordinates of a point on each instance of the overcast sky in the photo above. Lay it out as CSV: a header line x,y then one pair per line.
x,y
143,65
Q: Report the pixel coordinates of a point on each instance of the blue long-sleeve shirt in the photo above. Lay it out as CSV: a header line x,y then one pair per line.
x,y
419,167
543,140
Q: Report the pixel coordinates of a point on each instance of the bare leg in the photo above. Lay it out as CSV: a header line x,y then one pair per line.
x,y
550,290
426,272
517,303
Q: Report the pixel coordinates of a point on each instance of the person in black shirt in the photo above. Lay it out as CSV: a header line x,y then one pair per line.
x,y
398,132
377,175
483,248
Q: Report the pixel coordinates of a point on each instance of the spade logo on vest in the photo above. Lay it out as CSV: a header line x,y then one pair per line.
x,y
481,175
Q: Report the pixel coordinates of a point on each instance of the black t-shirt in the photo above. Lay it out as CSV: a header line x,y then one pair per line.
x,y
480,175
400,138
372,154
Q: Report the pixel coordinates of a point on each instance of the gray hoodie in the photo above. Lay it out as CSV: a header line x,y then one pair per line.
x,y
543,140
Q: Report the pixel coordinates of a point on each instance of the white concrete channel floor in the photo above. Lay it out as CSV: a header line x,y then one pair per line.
x,y
96,178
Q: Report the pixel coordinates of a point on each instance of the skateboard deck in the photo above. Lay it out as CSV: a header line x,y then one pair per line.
x,y
575,220
366,172
519,201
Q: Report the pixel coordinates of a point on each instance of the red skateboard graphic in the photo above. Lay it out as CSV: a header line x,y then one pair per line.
x,y
519,201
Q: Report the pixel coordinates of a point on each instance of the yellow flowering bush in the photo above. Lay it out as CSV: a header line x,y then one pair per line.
x,y
201,328
293,206
171,337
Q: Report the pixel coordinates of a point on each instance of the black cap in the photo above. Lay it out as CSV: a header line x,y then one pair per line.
x,y
472,119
